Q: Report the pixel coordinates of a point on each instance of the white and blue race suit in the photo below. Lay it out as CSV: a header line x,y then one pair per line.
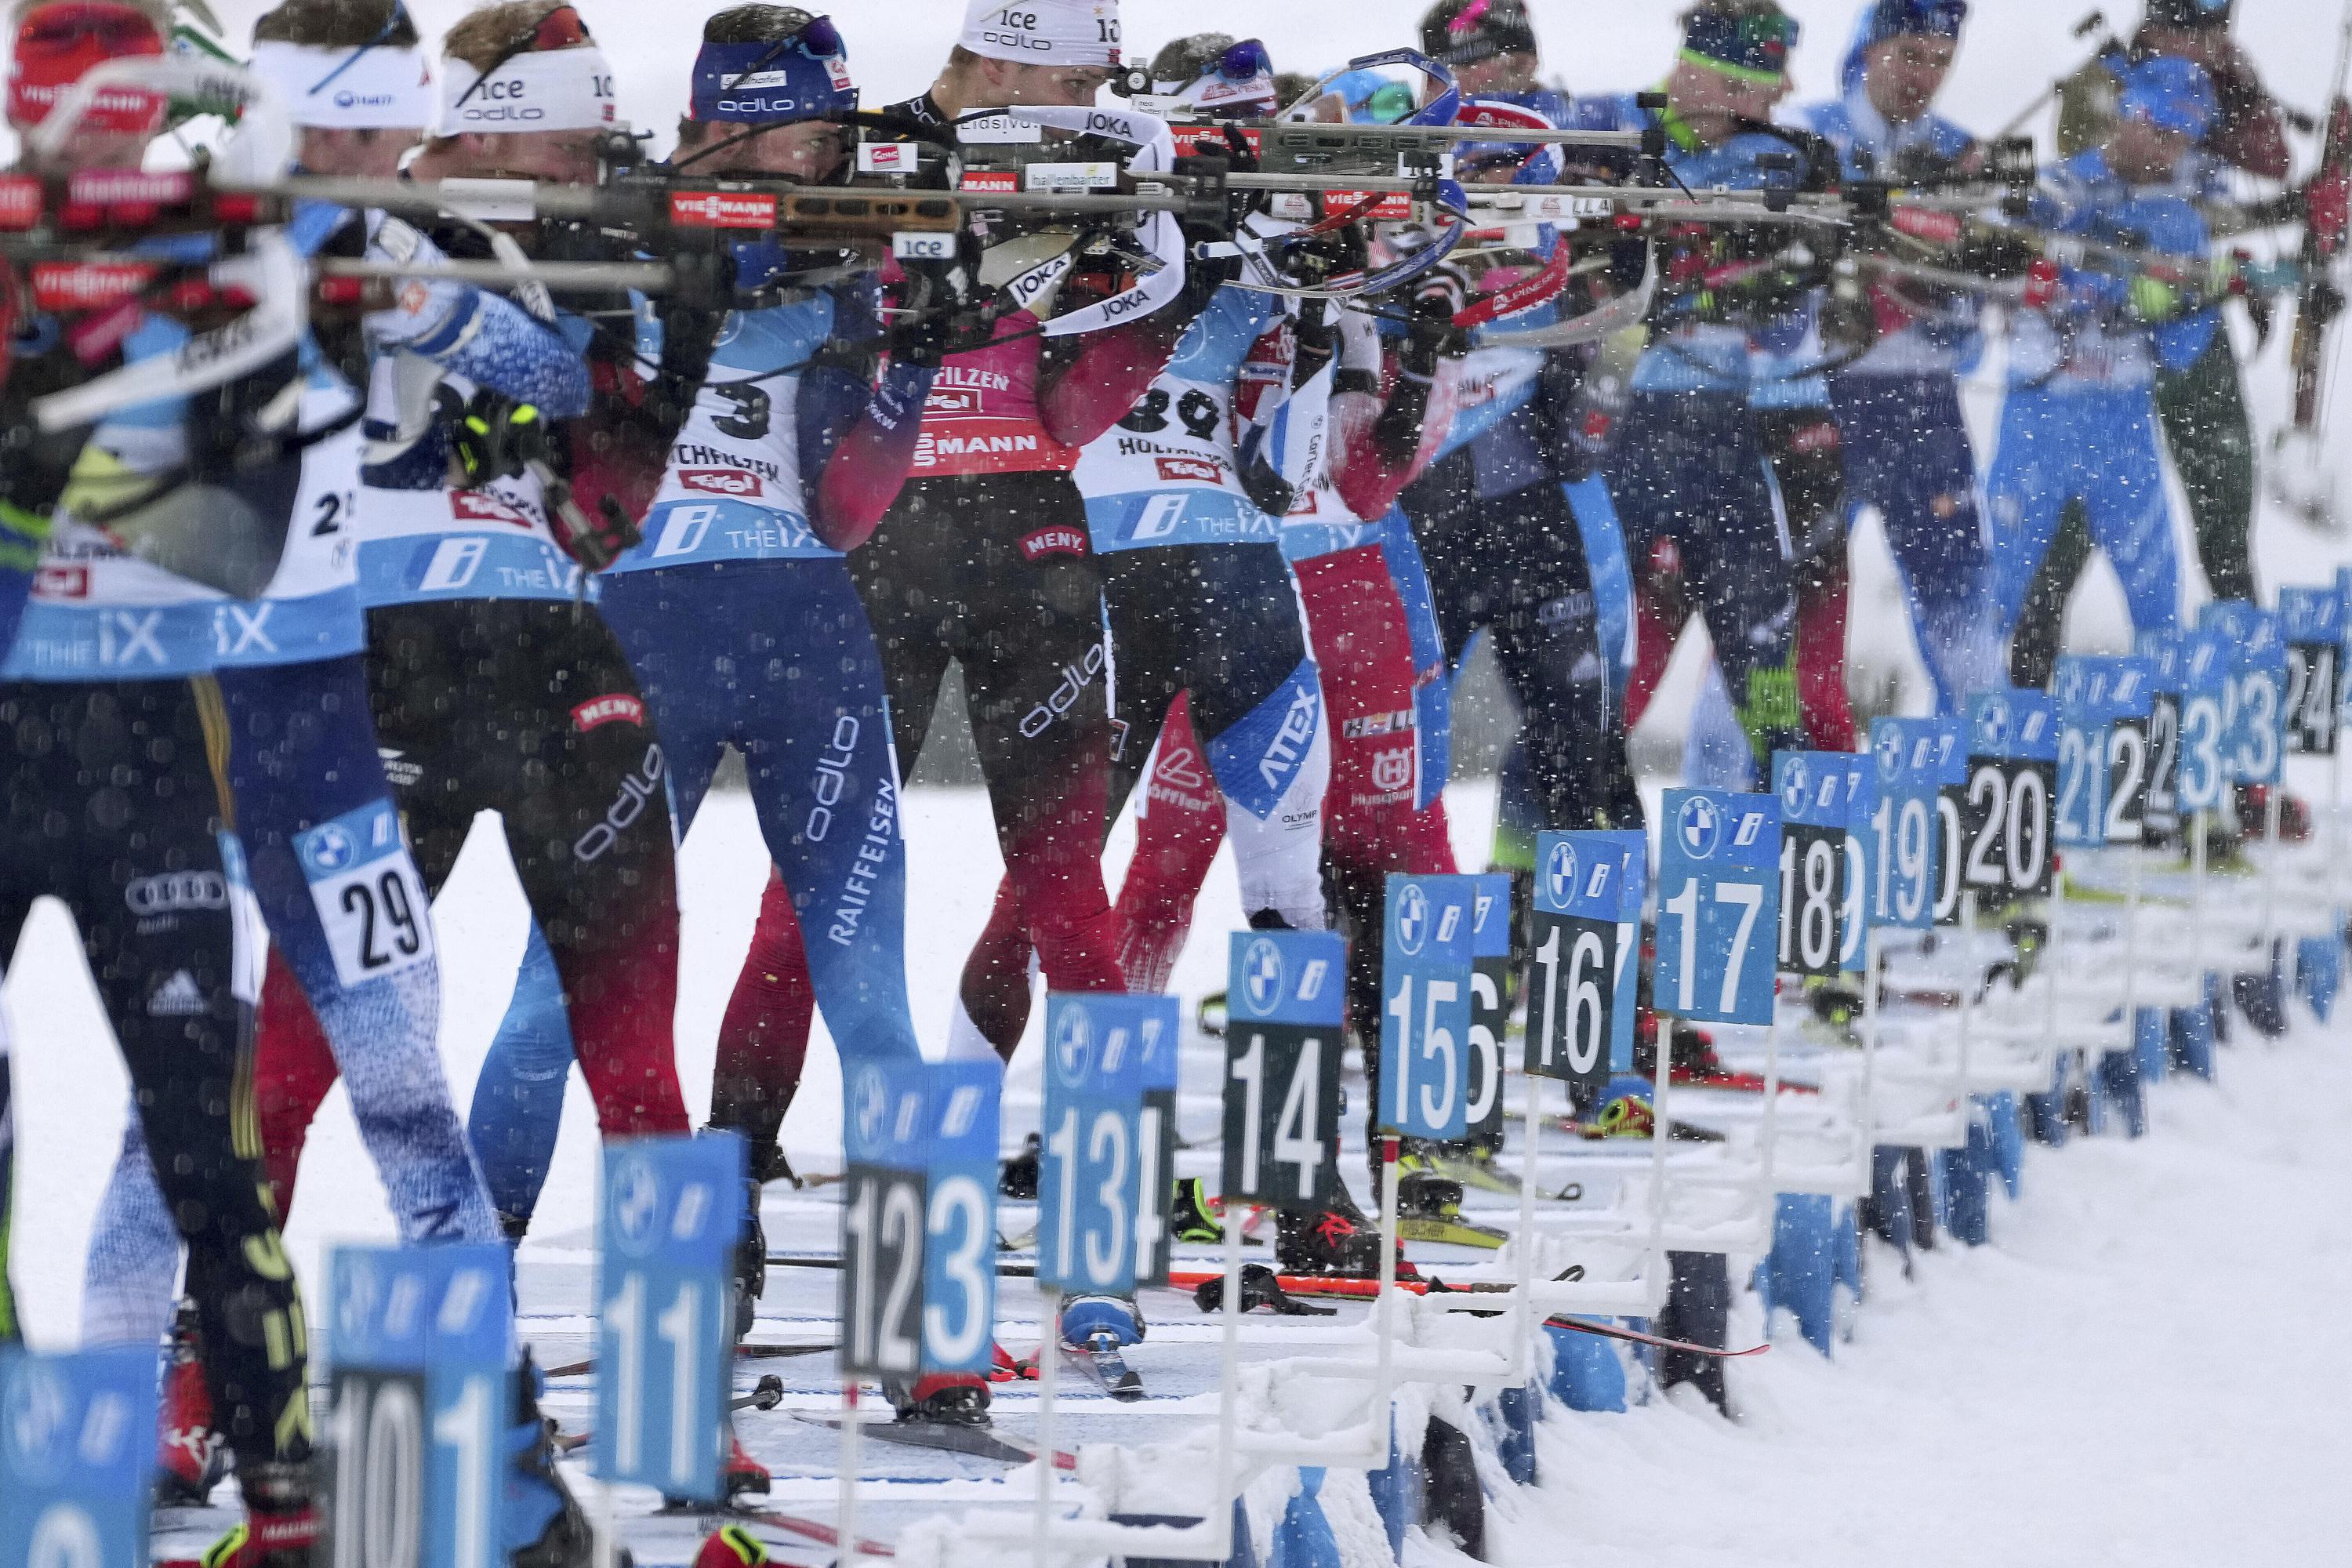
x,y
1198,595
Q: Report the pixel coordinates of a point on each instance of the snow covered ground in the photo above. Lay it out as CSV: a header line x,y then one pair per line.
x,y
2134,1371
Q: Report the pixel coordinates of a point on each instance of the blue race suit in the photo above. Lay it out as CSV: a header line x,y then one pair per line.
x,y
745,629
1689,477
2080,424
1907,451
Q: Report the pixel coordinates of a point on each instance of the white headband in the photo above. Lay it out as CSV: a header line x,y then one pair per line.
x,y
382,88
1044,32
546,90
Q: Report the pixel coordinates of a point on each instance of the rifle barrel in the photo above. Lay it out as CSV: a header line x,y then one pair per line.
x,y
653,277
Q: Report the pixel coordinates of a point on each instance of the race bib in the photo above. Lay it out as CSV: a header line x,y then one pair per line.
x,y
368,896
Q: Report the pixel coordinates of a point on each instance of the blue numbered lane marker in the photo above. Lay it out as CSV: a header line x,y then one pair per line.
x,y
1915,762
1287,1008
958,1158
1091,1176
1720,906
1426,1014
77,1457
666,1231
420,1347
919,1218
2104,707
2208,696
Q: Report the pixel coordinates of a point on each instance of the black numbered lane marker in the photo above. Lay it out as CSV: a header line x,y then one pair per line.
x,y
883,1224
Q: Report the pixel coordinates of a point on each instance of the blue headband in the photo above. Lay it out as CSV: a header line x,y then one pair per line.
x,y
770,83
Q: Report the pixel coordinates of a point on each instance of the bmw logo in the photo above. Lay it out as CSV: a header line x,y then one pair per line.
x,y
363,1292
332,849
1262,975
1795,784
1700,824
1560,872
1074,1046
38,1422
869,1106
635,1199
1411,918
1995,722
1890,755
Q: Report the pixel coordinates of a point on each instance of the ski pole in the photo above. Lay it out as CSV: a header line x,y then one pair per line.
x,y
2082,29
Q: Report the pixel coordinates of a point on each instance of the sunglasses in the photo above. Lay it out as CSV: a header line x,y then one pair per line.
x,y
1246,61
817,39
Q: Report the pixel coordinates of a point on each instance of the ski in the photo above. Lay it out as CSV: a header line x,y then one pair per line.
x,y
1450,1230
978,1442
1634,1336
1103,1361
747,1353
766,1396
814,1529
1469,1171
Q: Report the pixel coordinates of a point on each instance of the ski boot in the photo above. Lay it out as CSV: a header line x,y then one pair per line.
x,y
1429,1208
741,1475
730,1546
1212,1015
1192,1214
282,1526
1017,1177
190,1459
542,1523
1623,1111
939,1398
1339,1242
2261,995
1834,1011
1463,1164
2253,810
1261,1287
750,1262
1095,1334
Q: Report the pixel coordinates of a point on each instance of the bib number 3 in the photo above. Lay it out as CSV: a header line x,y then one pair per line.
x,y
370,899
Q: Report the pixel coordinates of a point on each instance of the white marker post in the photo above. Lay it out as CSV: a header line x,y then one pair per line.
x,y
2197,948
1527,1241
1967,995
1386,1349
850,1461
1049,1379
